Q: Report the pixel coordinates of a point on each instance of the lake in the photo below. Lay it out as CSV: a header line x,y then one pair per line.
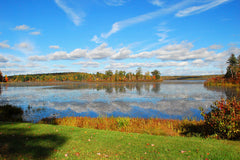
x,y
168,99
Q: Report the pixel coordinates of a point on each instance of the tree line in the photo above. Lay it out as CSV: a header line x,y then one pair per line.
x,y
108,76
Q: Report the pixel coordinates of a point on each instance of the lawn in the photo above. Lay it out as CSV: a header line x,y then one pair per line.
x,y
44,141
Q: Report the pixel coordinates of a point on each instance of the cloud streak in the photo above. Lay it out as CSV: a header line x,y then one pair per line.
x,y
76,19
4,44
142,18
198,9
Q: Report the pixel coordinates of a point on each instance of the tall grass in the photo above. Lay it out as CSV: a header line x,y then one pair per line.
x,y
152,126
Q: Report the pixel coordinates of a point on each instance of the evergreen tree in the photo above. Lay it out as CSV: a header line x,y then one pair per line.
x,y
232,67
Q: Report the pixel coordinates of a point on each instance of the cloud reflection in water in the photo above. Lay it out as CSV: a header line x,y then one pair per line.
x,y
162,100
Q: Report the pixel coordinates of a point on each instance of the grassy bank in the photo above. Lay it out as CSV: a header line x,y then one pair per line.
x,y
42,141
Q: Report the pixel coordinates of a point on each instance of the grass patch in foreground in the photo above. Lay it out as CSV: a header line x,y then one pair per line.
x,y
42,141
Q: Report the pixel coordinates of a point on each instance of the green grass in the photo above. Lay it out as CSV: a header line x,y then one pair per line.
x,y
42,141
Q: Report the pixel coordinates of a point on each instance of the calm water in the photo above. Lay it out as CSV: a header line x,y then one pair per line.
x,y
170,99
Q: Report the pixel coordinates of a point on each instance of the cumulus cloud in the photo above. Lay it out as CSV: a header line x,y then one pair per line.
x,y
198,9
142,55
223,56
8,64
198,63
215,46
54,47
38,58
14,59
22,28
3,59
76,18
60,66
101,52
4,44
88,64
35,33
62,55
122,54
25,47
147,65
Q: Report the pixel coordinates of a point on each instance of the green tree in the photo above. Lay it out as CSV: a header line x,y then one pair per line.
x,y
116,75
108,74
122,74
156,73
232,67
139,73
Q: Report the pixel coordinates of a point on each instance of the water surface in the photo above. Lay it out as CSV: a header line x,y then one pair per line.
x,y
169,99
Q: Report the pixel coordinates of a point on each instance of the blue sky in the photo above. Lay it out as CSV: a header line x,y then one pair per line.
x,y
178,37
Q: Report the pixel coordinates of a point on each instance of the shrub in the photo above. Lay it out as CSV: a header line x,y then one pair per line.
x,y
10,113
224,119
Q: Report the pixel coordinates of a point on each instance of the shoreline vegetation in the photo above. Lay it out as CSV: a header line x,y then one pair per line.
x,y
232,76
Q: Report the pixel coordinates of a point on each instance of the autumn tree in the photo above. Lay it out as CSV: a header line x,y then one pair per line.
x,y
1,77
5,78
156,74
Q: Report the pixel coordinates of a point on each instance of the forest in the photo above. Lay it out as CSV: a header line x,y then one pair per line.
x,y
108,76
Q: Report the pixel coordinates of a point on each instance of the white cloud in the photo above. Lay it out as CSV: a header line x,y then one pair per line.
x,y
25,47
181,52
4,44
101,52
31,65
115,2
88,64
122,54
223,56
198,9
22,28
163,37
198,63
76,18
78,53
54,47
142,55
3,59
158,3
14,59
146,65
215,46
7,64
37,58
96,39
60,66
62,55
35,33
